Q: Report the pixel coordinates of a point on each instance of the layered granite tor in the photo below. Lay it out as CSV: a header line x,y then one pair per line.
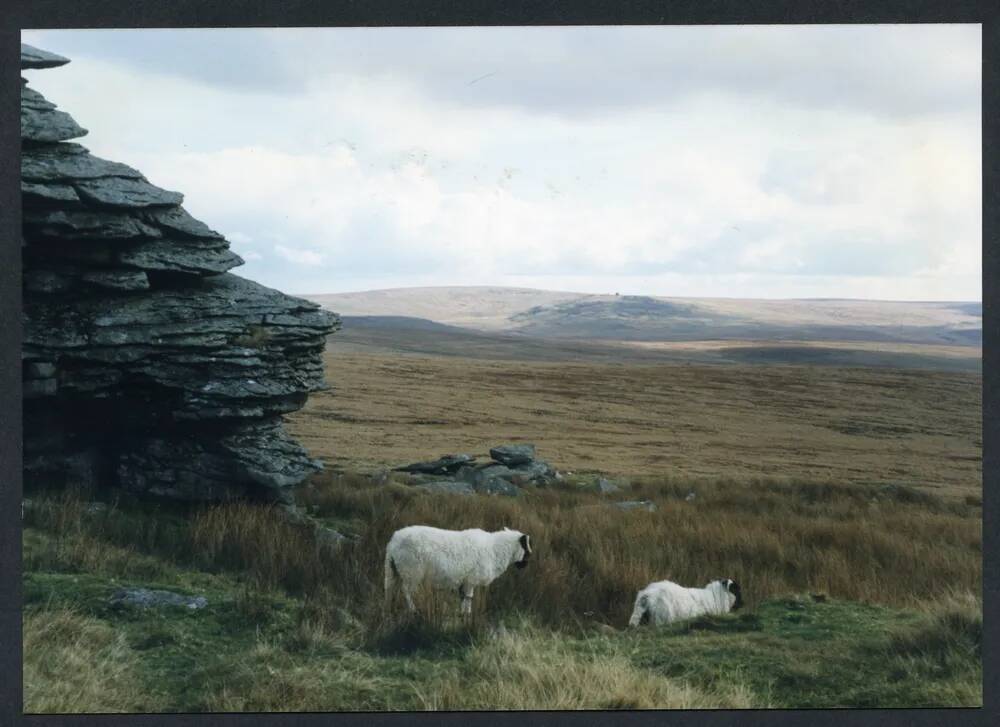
x,y
146,365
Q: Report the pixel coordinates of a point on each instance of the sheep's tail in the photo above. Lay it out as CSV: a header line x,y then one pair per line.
x,y
391,578
639,611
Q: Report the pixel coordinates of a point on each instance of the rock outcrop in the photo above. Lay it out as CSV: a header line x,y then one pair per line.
x,y
512,467
146,365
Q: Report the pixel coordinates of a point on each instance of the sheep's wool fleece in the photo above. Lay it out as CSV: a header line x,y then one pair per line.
x,y
450,558
666,601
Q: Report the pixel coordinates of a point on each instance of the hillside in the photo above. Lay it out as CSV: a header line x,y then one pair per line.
x,y
556,314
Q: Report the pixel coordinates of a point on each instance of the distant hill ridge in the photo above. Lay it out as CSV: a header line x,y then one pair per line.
x,y
568,315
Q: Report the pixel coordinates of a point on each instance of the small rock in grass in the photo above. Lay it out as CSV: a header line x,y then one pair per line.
x,y
647,505
606,487
146,598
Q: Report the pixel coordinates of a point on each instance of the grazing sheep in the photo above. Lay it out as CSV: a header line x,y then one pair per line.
x,y
664,602
454,559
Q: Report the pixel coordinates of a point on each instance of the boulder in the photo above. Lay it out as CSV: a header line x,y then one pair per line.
x,y
496,486
147,366
606,487
146,598
448,464
449,487
477,474
513,454
537,473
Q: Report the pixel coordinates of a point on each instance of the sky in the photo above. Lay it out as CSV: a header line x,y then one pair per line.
x,y
735,161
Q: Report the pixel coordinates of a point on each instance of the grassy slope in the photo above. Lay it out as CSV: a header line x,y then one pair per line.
x,y
289,628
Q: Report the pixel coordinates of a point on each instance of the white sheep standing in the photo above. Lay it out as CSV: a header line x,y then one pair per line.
x,y
664,602
453,559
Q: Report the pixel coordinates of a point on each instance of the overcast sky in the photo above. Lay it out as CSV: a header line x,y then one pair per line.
x,y
741,161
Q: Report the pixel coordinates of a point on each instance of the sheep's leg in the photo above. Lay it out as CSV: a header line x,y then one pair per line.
x,y
639,612
407,593
465,592
391,582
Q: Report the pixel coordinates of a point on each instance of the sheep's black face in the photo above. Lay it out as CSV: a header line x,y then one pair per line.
x,y
525,551
734,588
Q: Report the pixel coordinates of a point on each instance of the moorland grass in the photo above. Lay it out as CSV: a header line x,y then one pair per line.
x,y
294,626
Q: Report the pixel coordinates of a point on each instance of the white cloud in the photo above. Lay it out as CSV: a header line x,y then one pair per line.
x,y
299,256
402,173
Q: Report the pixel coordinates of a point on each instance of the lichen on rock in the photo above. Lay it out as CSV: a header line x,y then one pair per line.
x,y
146,364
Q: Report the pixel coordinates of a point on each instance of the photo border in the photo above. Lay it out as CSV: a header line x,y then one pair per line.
x,y
51,14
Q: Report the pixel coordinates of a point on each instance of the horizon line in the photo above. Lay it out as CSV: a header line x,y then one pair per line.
x,y
639,295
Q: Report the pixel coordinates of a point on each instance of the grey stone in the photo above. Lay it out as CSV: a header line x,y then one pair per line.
x,y
42,124
46,281
646,505
32,99
483,472
606,487
447,464
176,220
255,457
449,487
167,255
690,496
39,387
147,598
32,57
381,476
537,472
61,193
125,192
173,375
85,224
69,162
496,486
117,279
39,370
513,454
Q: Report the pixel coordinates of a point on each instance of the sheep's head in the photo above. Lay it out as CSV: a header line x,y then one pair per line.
x,y
522,553
733,588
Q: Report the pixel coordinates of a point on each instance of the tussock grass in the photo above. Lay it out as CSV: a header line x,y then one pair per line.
x,y
76,663
526,669
865,544
294,626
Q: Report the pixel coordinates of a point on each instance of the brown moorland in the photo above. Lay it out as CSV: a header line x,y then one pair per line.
x,y
920,428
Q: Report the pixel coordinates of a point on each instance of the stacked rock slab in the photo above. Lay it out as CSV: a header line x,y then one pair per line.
x,y
146,364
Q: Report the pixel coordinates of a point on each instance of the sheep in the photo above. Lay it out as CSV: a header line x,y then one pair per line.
x,y
454,559
664,602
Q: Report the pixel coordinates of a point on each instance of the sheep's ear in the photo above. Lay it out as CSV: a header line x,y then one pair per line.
x,y
506,529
